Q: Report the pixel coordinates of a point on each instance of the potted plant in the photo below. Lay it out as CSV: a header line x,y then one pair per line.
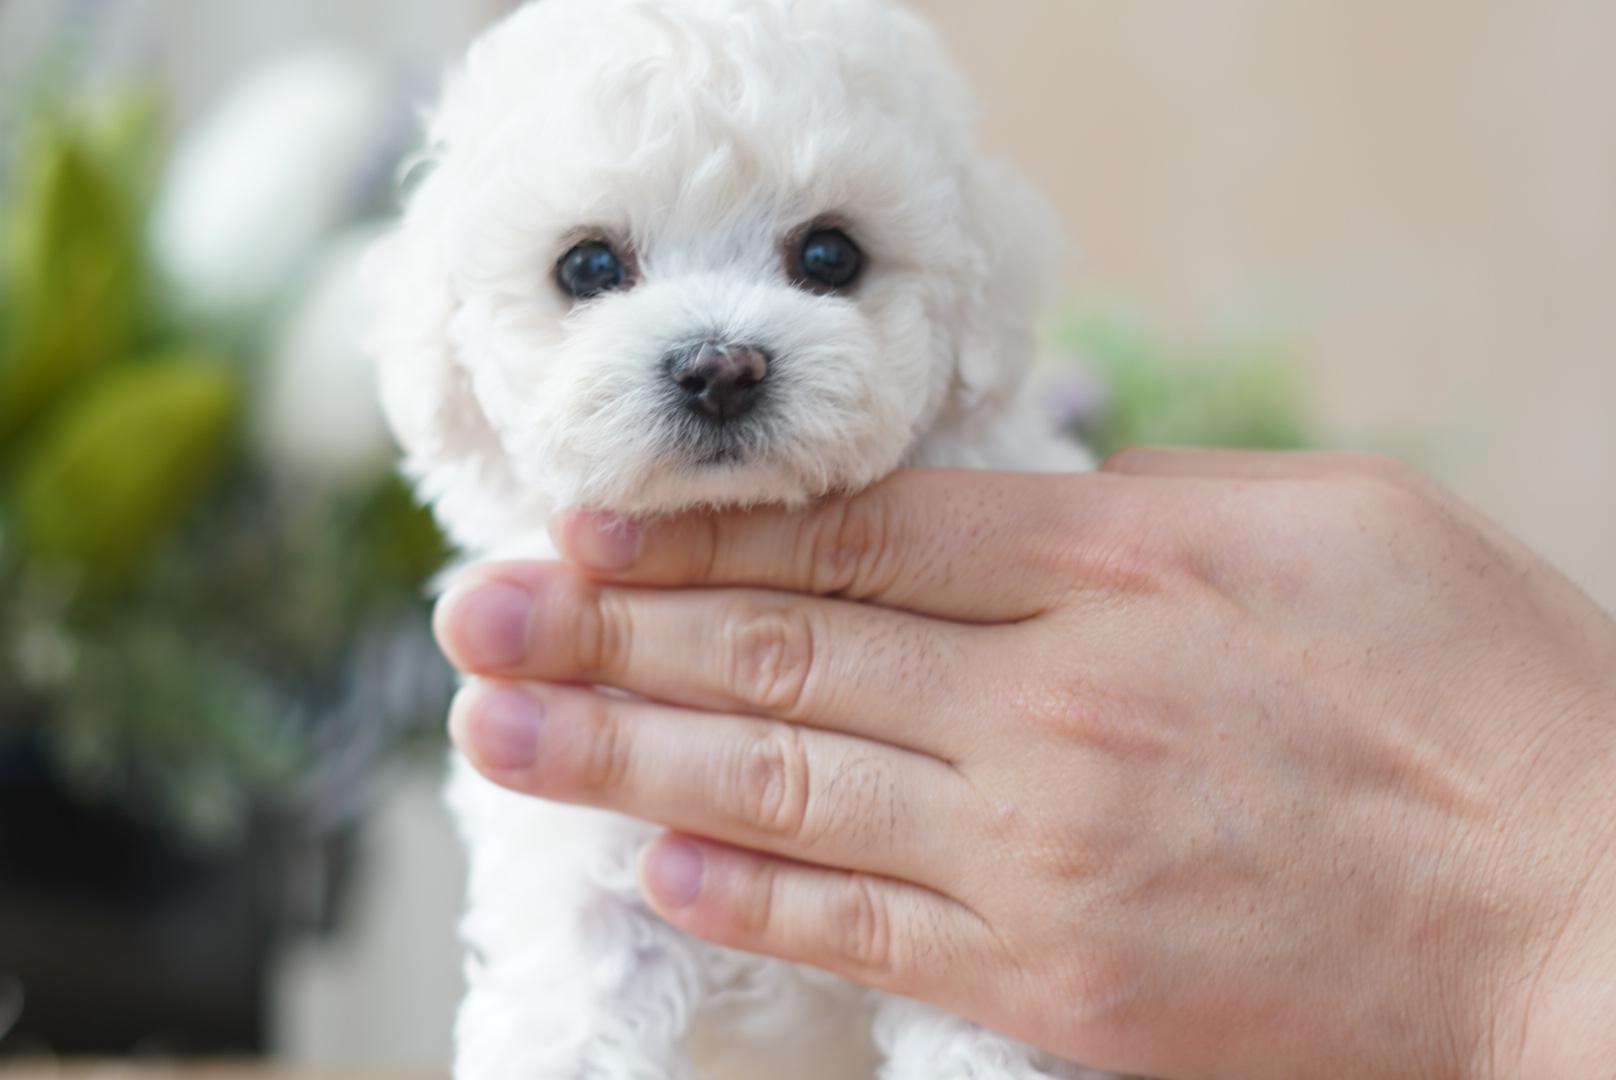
x,y
212,624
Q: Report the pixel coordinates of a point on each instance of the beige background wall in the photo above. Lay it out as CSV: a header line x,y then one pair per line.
x,y
1421,192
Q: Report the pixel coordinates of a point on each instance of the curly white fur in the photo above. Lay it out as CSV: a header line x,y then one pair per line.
x,y
700,135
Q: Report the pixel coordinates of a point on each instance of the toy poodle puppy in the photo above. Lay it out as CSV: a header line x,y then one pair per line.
x,y
668,254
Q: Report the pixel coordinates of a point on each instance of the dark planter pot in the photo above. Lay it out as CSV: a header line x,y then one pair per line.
x,y
117,939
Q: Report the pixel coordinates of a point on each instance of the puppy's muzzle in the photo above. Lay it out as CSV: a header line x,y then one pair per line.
x,y
717,380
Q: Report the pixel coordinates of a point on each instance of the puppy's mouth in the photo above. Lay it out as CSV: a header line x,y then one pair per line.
x,y
703,444
720,458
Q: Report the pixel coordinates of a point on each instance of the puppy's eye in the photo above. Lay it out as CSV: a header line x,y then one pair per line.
x,y
829,260
589,269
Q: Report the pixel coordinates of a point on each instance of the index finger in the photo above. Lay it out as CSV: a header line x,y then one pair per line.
x,y
972,546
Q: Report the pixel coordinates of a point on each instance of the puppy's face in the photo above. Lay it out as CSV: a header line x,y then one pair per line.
x,y
697,252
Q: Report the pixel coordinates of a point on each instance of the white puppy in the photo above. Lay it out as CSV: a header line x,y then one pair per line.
x,y
680,253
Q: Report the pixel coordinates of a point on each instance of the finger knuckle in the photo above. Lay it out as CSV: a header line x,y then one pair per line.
x,y
1107,992
1103,714
1372,500
596,624
861,927
851,545
771,656
1079,854
753,903
1135,553
771,784
1385,469
607,753
715,552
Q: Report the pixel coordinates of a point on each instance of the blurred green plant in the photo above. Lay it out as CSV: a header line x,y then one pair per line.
x,y
179,631
73,271
1131,386
81,496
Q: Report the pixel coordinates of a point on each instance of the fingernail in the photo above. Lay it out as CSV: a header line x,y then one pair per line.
x,y
673,873
601,541
490,623
497,727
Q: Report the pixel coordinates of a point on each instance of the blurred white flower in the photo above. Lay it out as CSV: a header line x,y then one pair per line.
x,y
268,173
316,417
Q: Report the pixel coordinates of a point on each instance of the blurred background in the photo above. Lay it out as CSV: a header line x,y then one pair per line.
x,y
1295,222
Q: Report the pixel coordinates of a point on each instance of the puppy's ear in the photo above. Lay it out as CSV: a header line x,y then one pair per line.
x,y
1020,251
426,393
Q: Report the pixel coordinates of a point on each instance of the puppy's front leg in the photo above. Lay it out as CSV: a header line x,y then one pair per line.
x,y
570,976
923,1043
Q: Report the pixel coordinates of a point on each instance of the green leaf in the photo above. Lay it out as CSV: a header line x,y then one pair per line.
x,y
400,537
121,463
124,129
74,273
1235,393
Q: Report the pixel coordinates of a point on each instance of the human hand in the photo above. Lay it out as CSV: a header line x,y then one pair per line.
x,y
1210,764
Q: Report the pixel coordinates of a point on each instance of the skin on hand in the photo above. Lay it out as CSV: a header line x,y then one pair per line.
x,y
1208,764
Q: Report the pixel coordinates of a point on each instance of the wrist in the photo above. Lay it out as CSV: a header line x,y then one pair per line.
x,y
1569,1027
1564,1019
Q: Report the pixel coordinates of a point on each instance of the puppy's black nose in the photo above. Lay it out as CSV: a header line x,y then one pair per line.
x,y
719,381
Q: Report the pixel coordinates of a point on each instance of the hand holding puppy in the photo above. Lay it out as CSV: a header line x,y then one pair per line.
x,y
1207,764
